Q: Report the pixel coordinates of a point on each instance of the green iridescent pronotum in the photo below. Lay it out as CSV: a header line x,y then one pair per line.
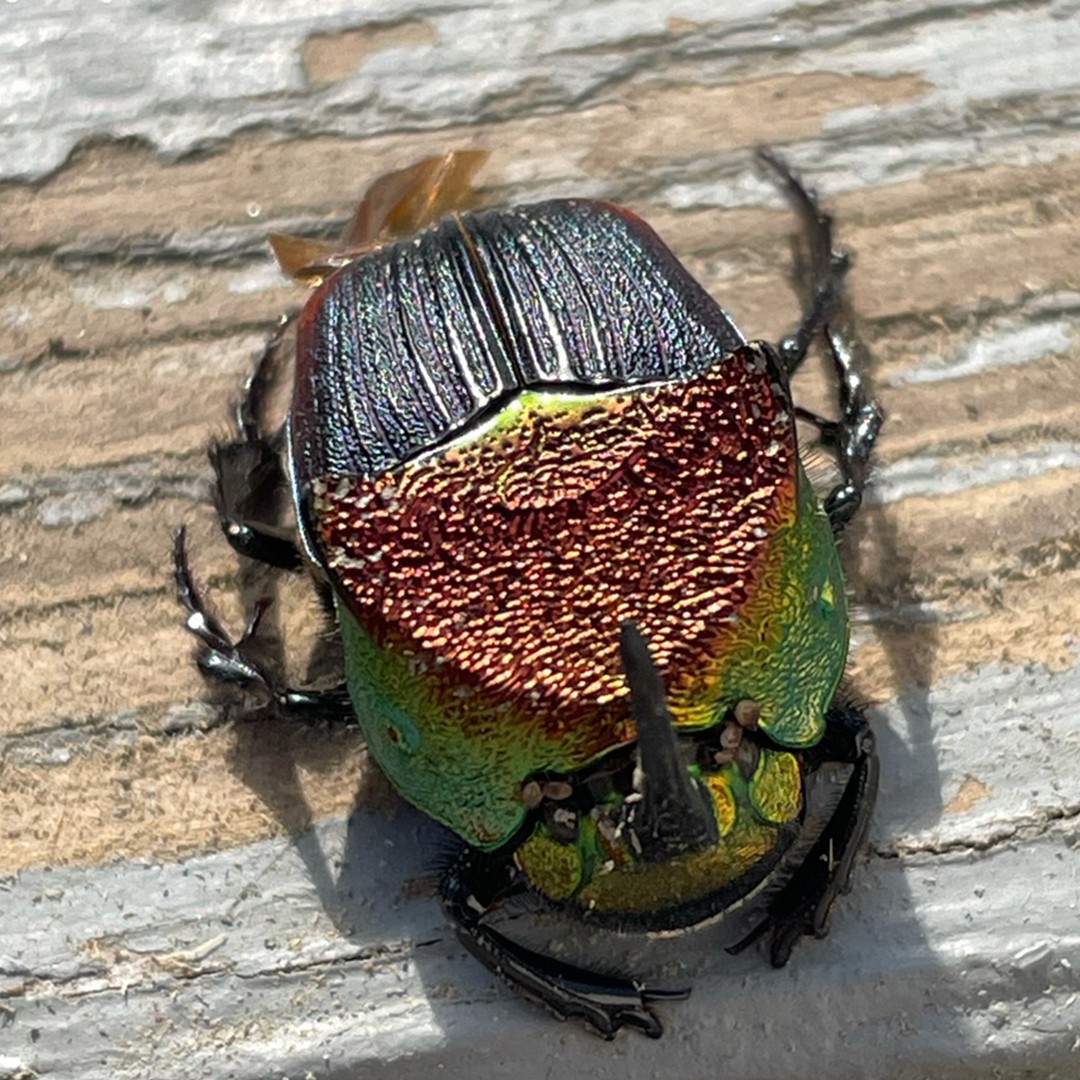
x,y
592,610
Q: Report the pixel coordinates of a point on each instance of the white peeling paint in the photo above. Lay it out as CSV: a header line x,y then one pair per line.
x,y
609,23
744,189
1006,347
262,277
311,954
15,315
1004,53
232,355
133,290
929,474
852,159
184,75
75,508
931,741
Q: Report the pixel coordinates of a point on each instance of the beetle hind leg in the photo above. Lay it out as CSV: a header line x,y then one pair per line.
x,y
249,481
471,887
822,267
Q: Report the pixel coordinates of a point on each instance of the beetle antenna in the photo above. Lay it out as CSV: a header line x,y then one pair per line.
x,y
673,815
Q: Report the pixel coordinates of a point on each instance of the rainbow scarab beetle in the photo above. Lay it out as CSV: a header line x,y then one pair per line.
x,y
592,609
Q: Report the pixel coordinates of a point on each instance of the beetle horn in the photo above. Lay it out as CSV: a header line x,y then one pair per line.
x,y
673,816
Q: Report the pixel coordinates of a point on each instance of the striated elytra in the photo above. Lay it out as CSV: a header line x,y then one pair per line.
x,y
592,609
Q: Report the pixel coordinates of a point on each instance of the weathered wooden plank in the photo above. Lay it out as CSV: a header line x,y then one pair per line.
x,y
135,290
320,952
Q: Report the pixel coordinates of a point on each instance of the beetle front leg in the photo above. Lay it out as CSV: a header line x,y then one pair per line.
x,y
604,1004
228,661
249,480
802,906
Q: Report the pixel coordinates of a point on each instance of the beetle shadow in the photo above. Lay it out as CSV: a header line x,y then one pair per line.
x,y
275,757
269,754
881,571
385,888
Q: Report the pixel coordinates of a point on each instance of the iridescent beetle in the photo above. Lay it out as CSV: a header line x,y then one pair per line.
x,y
592,609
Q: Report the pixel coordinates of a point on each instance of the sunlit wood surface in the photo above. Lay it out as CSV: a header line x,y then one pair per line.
x,y
187,902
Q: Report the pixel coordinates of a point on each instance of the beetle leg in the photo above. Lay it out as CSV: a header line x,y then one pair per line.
x,y
820,267
604,1004
248,477
228,661
851,438
855,434
802,905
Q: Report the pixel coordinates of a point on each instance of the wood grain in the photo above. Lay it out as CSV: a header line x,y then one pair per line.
x,y
135,830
